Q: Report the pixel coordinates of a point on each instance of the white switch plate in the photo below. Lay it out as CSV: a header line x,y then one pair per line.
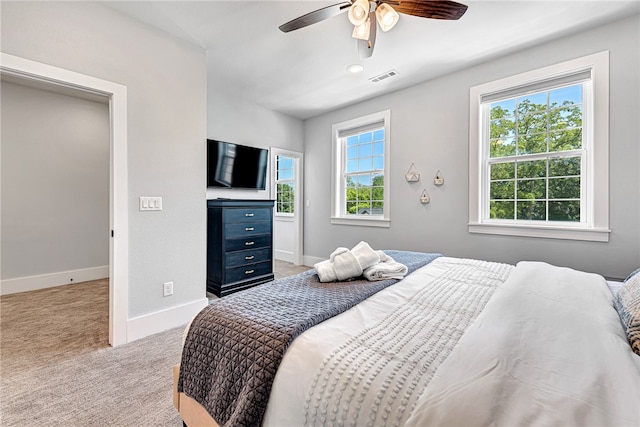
x,y
150,203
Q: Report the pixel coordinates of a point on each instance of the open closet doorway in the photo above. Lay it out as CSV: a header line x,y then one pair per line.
x,y
43,75
286,189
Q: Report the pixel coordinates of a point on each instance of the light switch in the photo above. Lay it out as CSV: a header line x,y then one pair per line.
x,y
150,203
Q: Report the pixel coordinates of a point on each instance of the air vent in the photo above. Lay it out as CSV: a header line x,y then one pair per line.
x,y
383,76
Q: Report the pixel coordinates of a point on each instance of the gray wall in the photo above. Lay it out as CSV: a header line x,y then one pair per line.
x,y
166,93
55,182
241,121
430,126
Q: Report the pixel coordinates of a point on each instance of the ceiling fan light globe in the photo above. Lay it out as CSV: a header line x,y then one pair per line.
x,y
387,16
362,31
359,12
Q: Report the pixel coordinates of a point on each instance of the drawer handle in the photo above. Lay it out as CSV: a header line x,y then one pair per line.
x,y
248,229
249,257
249,243
248,214
249,271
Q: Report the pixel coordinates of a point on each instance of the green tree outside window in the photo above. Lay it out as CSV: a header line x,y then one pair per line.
x,y
534,156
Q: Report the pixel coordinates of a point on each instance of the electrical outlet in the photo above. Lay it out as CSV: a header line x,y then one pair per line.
x,y
168,289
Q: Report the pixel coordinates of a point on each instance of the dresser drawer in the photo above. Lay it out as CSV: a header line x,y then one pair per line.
x,y
248,271
248,215
237,258
248,243
238,229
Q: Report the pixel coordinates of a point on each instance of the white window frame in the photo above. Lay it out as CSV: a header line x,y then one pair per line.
x,y
595,226
298,183
338,164
276,181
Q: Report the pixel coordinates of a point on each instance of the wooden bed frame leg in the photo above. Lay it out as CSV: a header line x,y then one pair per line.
x,y
176,395
190,410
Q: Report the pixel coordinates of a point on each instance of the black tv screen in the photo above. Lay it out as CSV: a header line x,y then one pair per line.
x,y
236,166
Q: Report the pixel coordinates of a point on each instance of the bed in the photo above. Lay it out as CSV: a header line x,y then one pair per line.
x,y
457,342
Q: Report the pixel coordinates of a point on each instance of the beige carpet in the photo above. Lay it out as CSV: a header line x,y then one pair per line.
x,y
57,368
50,325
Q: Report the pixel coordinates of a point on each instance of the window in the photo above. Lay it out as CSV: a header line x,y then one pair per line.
x,y
360,175
535,156
539,153
285,184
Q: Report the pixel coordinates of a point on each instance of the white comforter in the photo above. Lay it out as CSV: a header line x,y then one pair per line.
x,y
548,349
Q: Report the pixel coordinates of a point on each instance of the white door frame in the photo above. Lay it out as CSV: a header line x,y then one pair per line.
x,y
298,243
118,193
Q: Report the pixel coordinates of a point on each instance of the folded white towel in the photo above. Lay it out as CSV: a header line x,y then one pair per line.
x,y
325,271
365,255
383,257
387,269
338,251
346,265
341,265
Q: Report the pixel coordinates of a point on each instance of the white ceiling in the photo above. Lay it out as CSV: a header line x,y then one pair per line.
x,y
303,73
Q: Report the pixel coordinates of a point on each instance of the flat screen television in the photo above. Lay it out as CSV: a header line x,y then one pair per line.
x,y
236,166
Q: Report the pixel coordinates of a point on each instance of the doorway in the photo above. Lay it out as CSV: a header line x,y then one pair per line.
x,y
286,190
42,74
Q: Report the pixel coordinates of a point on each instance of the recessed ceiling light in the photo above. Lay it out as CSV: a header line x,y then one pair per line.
x,y
355,68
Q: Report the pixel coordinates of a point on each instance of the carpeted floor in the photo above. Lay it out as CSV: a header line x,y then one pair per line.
x,y
50,325
57,368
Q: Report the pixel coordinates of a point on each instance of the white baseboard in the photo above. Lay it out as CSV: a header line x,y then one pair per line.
x,y
311,260
288,257
51,280
283,255
152,323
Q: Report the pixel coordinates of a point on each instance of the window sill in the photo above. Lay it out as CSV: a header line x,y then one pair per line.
x,y
364,222
283,217
541,231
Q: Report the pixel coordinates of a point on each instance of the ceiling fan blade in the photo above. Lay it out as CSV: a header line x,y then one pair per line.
x,y
315,16
434,9
365,47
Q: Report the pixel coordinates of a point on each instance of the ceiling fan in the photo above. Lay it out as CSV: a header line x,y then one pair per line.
x,y
364,14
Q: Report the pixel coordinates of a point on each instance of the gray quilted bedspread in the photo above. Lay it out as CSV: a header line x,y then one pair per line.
x,y
235,345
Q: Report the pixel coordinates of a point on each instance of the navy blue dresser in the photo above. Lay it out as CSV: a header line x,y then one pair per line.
x,y
239,244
